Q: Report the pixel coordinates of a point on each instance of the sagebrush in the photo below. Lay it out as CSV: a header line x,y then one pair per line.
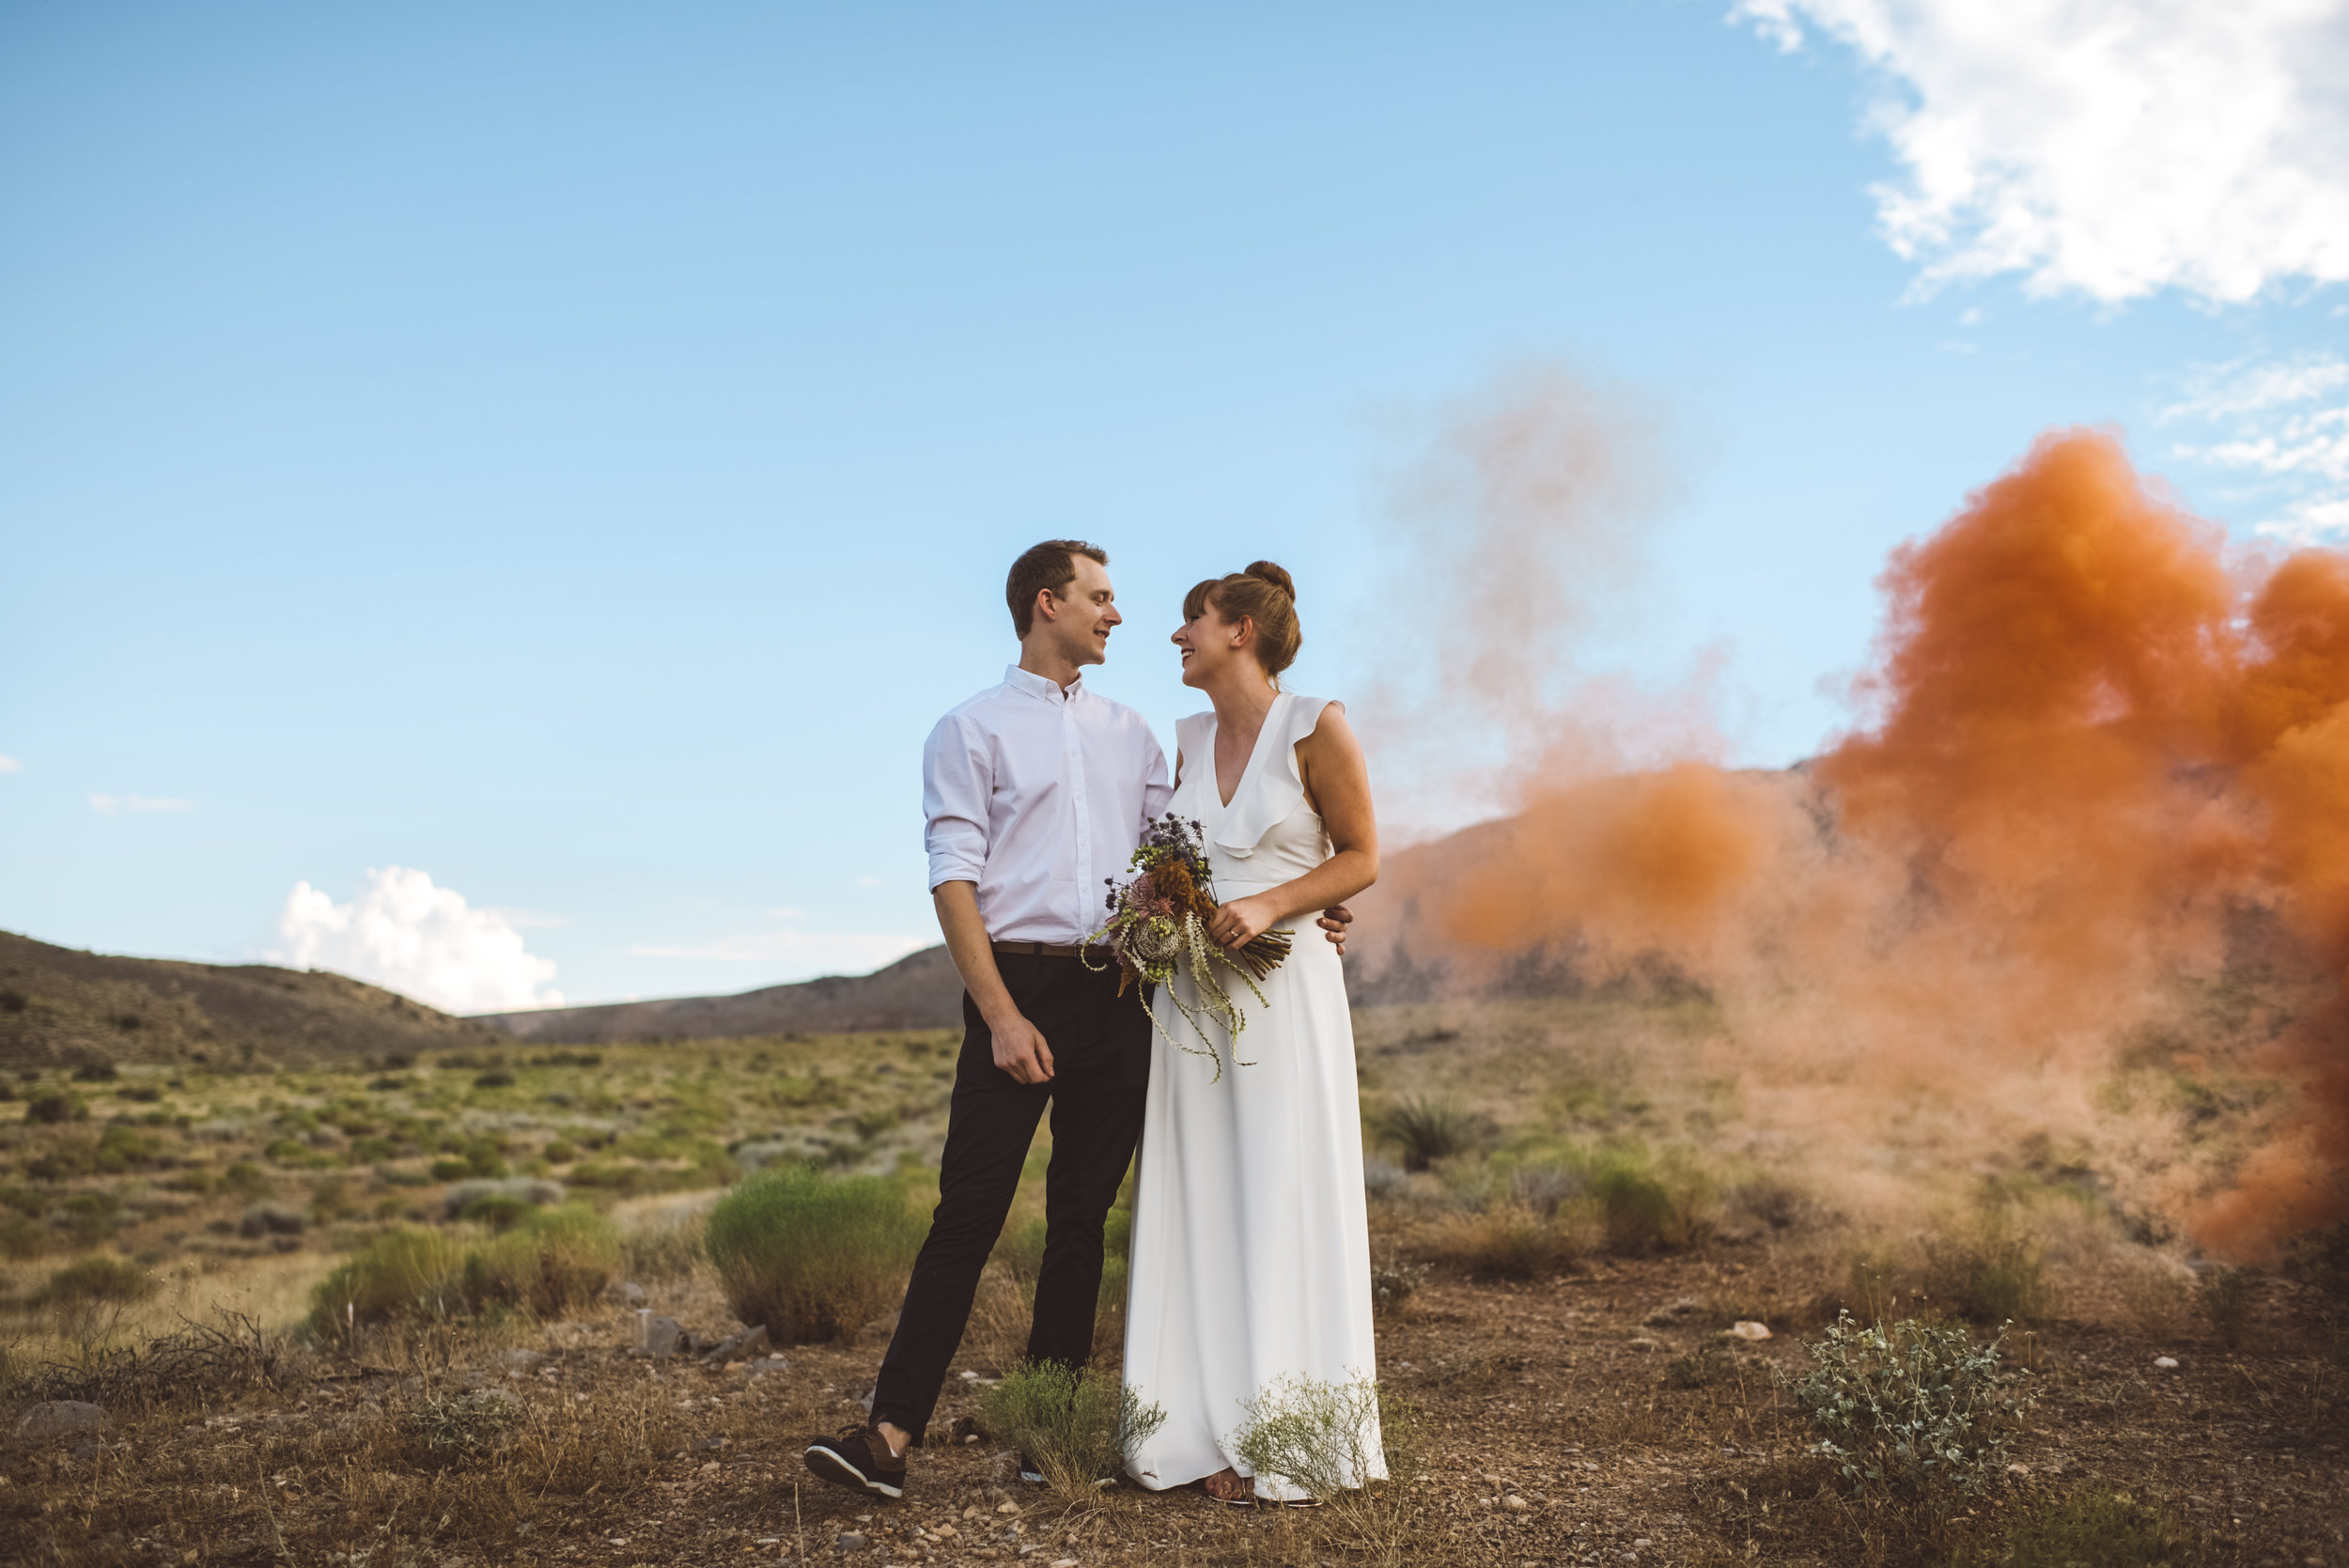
x,y
812,1255
1916,1412
1076,1427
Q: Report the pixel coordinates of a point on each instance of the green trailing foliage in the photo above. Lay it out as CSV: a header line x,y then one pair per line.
x,y
812,1255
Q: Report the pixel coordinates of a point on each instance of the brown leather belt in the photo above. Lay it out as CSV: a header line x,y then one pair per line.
x,y
1050,950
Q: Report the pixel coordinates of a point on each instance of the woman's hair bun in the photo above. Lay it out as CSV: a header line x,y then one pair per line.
x,y
1276,575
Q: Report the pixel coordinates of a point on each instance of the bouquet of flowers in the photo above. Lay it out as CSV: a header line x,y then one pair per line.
x,y
1158,925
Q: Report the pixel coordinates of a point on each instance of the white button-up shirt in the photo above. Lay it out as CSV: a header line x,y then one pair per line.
x,y
1037,795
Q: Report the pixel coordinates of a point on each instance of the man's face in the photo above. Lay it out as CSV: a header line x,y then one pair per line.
x,y
1079,618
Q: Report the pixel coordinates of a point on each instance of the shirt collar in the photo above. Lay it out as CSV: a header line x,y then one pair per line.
x,y
1042,685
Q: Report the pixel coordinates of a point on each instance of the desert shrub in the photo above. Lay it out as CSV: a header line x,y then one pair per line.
x,y
2156,1292
1916,1412
2089,1528
1393,1283
2226,1299
496,1078
99,1072
530,1192
462,1427
1991,1272
12,1000
51,1109
267,1219
550,1263
402,1274
243,1179
1700,1368
811,1256
1503,1242
1384,1178
1645,1204
450,1170
1427,1130
499,1211
22,1236
662,1252
1076,1427
561,1151
98,1278
1340,1443
89,1217
1545,1189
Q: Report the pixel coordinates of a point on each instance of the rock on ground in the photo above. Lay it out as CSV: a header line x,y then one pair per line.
x,y
59,1418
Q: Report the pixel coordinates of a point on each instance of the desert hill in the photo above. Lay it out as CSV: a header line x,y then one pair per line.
x,y
62,1006
917,991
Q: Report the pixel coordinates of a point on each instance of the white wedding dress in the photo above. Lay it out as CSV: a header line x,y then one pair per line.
x,y
1250,1240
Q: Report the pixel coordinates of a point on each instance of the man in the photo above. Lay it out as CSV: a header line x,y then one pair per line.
x,y
1036,791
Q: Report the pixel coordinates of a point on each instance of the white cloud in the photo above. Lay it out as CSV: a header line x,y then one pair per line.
x,y
2105,147
425,941
9,765
2285,425
115,805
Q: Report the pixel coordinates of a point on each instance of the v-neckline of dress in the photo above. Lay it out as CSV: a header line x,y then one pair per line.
x,y
1247,769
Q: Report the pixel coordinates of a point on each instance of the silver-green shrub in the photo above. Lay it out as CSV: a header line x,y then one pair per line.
x,y
1917,1412
1347,1445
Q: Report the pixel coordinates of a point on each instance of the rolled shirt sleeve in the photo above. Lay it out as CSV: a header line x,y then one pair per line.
x,y
957,781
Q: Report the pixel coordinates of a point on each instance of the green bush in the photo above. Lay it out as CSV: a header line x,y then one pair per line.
x,y
1075,1426
243,1179
2089,1528
51,1110
1916,1411
1991,1272
98,1278
2226,1295
662,1252
402,1274
499,1211
551,1263
89,1217
809,1255
22,1236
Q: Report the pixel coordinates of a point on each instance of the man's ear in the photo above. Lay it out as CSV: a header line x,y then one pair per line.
x,y
1047,604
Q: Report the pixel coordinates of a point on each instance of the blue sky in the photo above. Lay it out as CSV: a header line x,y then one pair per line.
x,y
573,452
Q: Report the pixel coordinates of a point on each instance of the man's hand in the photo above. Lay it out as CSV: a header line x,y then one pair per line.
x,y
1334,919
1020,1050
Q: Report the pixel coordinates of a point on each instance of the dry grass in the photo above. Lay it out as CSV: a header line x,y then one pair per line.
x,y
1575,1324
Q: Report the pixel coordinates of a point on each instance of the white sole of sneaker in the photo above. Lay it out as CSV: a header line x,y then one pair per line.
x,y
832,1465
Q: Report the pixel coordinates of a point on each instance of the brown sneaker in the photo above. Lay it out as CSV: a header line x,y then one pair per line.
x,y
859,1458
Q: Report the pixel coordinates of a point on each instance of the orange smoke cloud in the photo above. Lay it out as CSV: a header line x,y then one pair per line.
x,y
2092,750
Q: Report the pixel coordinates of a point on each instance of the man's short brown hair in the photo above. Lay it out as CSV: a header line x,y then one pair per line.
x,y
1050,564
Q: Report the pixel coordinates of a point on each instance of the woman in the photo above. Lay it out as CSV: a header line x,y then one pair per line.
x,y
1251,1242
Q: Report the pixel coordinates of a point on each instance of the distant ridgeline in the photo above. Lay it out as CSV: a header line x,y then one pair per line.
x,y
63,1007
920,991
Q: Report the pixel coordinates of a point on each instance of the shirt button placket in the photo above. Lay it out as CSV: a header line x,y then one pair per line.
x,y
1074,753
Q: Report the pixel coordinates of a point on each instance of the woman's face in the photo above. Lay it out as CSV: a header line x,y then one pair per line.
x,y
1211,644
